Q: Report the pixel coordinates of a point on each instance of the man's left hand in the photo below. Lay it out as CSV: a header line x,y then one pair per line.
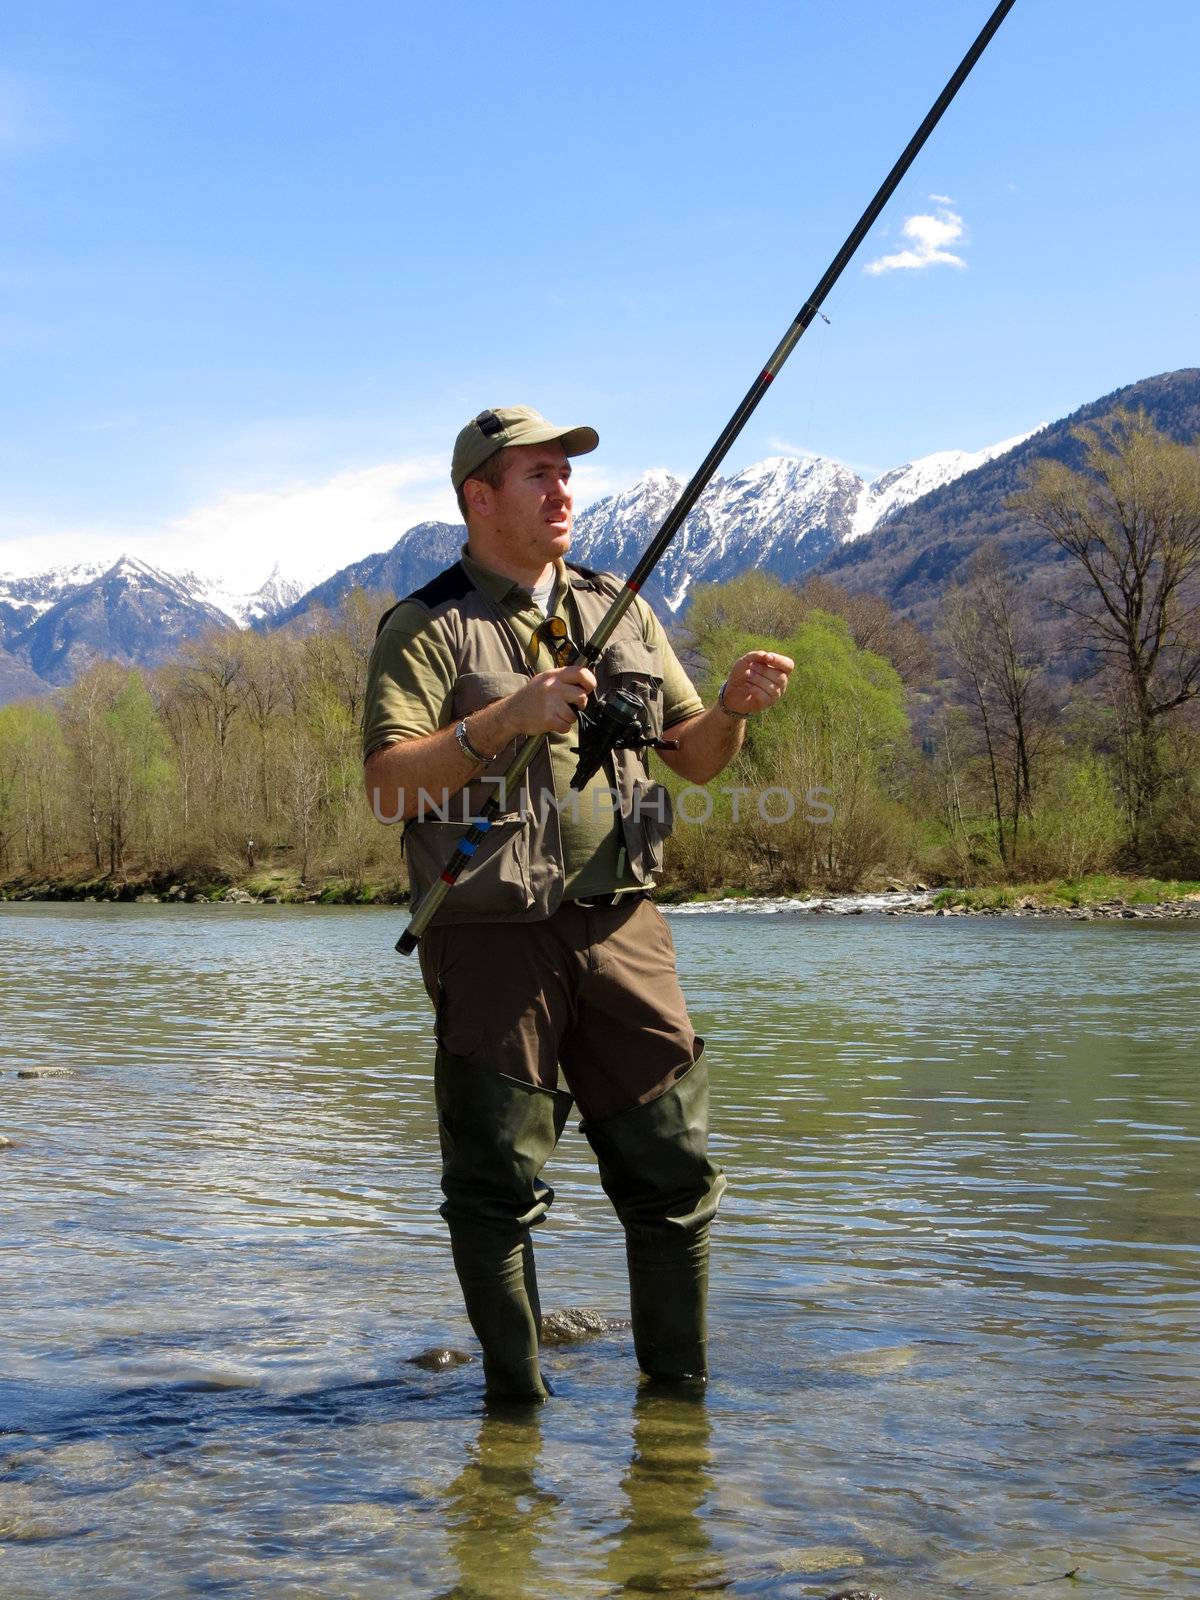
x,y
757,680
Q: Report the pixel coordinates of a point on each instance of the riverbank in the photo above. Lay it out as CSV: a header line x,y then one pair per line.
x,y
267,887
1082,899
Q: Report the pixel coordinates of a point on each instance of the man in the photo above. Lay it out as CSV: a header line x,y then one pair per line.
x,y
548,955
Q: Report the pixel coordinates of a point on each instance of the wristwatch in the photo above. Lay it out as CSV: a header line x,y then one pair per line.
x,y
467,748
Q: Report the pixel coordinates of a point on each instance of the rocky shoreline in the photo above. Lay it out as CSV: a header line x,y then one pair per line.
x,y
897,900
921,901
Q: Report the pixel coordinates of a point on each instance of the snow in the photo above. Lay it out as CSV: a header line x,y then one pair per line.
x,y
902,485
768,506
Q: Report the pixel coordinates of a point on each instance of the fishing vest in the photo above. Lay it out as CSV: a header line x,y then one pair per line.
x,y
517,873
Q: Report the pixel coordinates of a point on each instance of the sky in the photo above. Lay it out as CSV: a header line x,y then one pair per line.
x,y
260,259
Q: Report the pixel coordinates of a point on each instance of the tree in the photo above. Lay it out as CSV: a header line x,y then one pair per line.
x,y
212,682
814,805
995,648
33,786
135,767
873,626
1131,520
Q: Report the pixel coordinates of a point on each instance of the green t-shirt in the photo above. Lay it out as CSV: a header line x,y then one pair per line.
x,y
410,691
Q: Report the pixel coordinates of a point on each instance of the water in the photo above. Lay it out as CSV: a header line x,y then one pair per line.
x,y
956,1281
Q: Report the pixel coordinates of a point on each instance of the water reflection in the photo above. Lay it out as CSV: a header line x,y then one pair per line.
x,y
504,1520
497,1515
955,1288
663,1538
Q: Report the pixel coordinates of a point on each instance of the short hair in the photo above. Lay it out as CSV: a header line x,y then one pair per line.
x,y
490,472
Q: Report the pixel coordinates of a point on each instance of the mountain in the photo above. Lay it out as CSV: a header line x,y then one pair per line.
x,y
129,612
889,494
921,548
783,515
259,607
52,623
905,535
17,682
424,550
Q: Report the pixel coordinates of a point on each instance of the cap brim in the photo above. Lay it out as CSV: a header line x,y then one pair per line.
x,y
575,441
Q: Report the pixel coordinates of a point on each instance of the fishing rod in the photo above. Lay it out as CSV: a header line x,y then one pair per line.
x,y
589,653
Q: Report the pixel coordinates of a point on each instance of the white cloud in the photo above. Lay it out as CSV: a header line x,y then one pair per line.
x,y
785,447
929,236
309,530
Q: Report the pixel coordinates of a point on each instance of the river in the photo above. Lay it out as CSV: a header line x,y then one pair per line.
x,y
955,1297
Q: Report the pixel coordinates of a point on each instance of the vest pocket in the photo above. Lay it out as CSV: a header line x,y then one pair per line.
x,y
637,667
494,884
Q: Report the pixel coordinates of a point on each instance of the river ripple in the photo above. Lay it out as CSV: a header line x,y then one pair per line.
x,y
956,1281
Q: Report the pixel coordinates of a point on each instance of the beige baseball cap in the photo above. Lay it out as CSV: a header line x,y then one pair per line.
x,y
495,430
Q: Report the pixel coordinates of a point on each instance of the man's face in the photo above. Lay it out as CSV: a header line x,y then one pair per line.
x,y
533,505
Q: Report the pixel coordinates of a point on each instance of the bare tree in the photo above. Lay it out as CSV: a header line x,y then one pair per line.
x,y
874,626
212,681
1131,519
995,647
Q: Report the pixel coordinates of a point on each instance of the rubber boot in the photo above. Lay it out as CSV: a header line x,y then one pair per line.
x,y
496,1134
655,1169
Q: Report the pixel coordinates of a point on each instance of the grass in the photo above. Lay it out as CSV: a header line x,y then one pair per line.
x,y
1097,888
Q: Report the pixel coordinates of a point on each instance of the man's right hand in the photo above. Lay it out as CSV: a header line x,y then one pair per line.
x,y
547,703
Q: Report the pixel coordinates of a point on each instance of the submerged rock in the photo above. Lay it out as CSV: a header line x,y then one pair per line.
x,y
573,1324
876,1363
439,1359
29,1516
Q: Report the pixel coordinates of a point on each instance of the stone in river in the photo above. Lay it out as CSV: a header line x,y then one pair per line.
x,y
877,1363
439,1359
573,1324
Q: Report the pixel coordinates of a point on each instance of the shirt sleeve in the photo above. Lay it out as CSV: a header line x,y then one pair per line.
x,y
680,700
410,680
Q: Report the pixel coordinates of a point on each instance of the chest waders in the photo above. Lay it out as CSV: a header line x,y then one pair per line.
x,y
497,1132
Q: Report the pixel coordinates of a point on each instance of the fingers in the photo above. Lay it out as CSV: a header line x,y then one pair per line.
x,y
764,669
757,679
580,675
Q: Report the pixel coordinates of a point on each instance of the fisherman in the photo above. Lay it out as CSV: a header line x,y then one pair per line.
x,y
548,955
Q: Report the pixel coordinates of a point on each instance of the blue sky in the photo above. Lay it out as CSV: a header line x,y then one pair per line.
x,y
260,260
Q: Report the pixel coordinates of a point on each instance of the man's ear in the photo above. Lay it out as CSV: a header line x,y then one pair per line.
x,y
478,496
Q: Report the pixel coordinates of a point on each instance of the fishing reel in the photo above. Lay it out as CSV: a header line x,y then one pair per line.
x,y
617,720
614,721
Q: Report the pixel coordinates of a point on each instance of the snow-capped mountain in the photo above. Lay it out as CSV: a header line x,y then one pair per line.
x,y
902,485
127,610
783,515
260,605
